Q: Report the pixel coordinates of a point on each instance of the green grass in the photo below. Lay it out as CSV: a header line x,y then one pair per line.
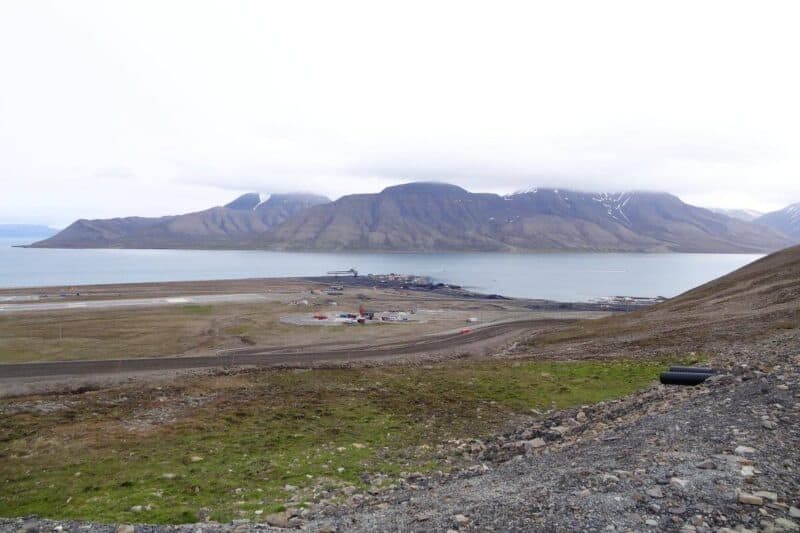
x,y
261,431
237,330
195,309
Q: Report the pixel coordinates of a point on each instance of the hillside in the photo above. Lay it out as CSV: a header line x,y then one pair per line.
x,y
755,302
229,226
786,220
767,283
442,217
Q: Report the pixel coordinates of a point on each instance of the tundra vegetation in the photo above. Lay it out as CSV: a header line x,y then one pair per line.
x,y
244,444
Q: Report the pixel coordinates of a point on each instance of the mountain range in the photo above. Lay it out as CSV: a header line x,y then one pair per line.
x,y
786,220
438,217
435,216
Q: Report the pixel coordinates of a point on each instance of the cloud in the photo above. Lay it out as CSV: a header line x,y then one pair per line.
x,y
145,108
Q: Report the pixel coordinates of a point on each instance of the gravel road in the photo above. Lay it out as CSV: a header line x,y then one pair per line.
x,y
261,357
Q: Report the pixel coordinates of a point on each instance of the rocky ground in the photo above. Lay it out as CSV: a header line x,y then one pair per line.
x,y
723,456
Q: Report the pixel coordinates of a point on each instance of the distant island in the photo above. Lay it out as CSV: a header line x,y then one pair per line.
x,y
431,217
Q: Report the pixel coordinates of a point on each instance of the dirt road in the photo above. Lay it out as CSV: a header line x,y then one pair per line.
x,y
270,357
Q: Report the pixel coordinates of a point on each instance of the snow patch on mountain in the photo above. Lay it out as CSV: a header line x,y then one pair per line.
x,y
615,204
262,199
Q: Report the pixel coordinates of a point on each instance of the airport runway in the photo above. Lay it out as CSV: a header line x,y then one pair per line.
x,y
6,307
297,356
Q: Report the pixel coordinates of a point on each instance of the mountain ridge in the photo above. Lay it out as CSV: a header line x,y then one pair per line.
x,y
443,217
435,216
230,226
786,220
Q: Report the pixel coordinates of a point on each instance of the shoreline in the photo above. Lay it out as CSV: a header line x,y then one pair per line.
x,y
368,251
412,283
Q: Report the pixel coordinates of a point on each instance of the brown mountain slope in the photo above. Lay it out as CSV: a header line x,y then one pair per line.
x,y
760,300
230,226
442,217
437,217
768,283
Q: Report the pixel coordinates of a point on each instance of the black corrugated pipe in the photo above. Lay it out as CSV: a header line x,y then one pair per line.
x,y
684,378
694,369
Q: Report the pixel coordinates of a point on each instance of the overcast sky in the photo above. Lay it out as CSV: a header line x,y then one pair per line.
x,y
148,108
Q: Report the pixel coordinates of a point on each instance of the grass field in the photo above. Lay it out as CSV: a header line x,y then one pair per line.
x,y
191,329
131,332
232,443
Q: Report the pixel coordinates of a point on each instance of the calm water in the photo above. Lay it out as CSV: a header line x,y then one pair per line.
x,y
555,276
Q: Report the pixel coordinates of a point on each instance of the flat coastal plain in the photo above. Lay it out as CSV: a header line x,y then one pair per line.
x,y
202,325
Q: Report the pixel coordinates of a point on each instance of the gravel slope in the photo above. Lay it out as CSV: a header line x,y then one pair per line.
x,y
723,455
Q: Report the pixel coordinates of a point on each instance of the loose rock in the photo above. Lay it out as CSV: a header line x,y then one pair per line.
x,y
278,519
750,499
461,520
655,492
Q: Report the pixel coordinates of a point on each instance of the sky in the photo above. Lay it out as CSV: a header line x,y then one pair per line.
x,y
152,108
